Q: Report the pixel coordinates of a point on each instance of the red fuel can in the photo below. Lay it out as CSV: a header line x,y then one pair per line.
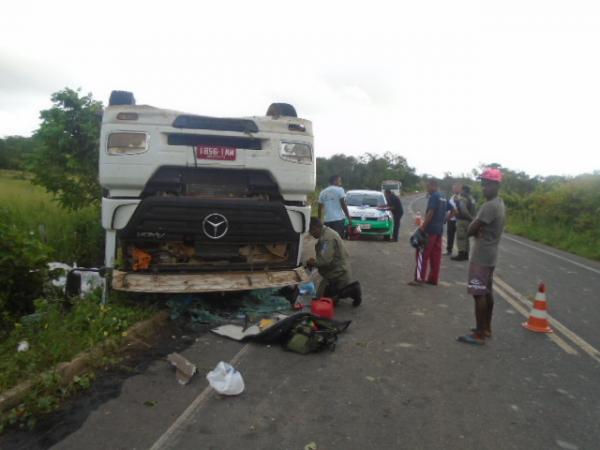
x,y
322,307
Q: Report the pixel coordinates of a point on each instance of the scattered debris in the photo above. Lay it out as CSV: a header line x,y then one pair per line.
x,y
150,403
369,378
404,345
225,379
311,446
265,323
185,370
302,332
23,346
217,310
236,332
88,279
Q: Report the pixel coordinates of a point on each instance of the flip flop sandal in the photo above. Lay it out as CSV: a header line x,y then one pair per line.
x,y
485,333
470,339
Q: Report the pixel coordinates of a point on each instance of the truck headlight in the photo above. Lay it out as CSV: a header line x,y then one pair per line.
x,y
127,143
382,218
293,151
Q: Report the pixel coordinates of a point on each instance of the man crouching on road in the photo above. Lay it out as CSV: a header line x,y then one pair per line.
x,y
487,229
333,263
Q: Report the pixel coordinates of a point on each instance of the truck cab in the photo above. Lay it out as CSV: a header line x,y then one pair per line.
x,y
194,203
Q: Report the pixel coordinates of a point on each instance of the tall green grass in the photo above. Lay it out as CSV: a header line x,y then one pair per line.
x,y
73,236
561,236
564,215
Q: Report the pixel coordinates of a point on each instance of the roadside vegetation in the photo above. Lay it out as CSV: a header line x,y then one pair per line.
x,y
71,235
59,330
49,211
562,212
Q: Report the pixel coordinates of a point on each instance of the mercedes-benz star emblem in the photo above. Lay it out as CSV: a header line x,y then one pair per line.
x,y
215,226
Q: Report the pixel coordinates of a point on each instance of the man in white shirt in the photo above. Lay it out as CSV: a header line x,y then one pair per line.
x,y
333,199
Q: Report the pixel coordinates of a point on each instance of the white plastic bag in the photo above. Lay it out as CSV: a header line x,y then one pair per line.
x,y
225,379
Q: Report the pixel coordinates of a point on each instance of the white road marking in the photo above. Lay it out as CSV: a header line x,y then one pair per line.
x,y
167,440
525,313
541,250
583,345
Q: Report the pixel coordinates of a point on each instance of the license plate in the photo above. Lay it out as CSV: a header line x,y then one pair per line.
x,y
216,153
366,226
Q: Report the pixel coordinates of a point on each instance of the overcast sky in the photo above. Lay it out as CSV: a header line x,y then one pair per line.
x,y
447,84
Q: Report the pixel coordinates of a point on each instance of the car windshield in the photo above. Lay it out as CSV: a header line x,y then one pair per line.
x,y
365,200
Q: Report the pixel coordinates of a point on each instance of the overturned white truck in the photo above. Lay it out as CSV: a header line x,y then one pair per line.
x,y
204,204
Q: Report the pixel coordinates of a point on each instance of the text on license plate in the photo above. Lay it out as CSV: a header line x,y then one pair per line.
x,y
216,153
366,226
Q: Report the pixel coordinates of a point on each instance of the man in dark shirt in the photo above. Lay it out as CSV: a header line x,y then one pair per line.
x,y
395,206
433,226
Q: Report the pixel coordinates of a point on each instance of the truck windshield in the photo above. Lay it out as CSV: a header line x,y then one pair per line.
x,y
365,200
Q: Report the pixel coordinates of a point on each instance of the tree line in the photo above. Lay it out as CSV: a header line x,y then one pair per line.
x,y
367,171
62,156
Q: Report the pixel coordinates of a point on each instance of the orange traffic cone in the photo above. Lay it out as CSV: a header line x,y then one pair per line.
x,y
538,317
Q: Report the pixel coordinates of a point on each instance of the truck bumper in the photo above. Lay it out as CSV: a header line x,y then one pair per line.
x,y
206,282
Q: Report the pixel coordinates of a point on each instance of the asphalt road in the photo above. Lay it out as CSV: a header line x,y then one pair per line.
x,y
398,379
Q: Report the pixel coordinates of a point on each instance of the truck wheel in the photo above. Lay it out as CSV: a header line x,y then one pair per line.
x,y
121,98
387,237
281,109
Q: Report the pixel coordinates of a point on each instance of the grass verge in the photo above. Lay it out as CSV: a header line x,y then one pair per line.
x,y
56,333
74,236
558,236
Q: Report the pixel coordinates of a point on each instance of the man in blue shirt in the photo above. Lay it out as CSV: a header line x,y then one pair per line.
x,y
333,199
433,225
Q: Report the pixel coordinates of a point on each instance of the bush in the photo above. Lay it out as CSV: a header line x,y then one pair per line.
x,y
23,260
562,214
83,239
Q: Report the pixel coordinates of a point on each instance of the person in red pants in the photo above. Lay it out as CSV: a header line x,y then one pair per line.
x,y
429,258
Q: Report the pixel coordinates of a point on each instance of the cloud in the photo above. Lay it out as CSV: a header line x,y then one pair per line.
x,y
26,77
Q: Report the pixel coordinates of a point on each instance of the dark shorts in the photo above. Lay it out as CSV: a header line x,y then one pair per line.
x,y
480,280
337,225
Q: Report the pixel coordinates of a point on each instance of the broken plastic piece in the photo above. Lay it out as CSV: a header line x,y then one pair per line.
x,y
185,370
